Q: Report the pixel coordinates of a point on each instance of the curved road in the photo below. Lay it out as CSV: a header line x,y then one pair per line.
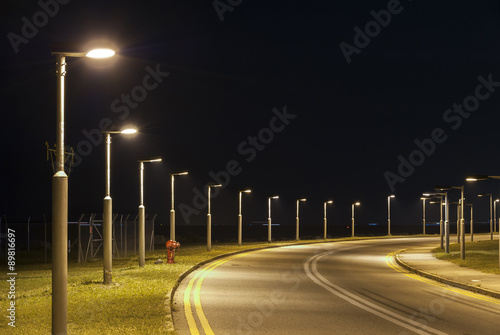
x,y
351,287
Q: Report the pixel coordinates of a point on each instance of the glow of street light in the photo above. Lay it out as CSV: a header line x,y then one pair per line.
x,y
129,131
357,203
247,191
392,196
100,53
329,202
303,199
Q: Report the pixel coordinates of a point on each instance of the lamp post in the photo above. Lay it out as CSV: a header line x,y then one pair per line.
x,y
297,220
462,222
107,220
444,232
471,221
491,212
60,200
269,217
352,220
423,217
240,217
389,213
172,210
142,212
324,216
209,219
495,216
484,177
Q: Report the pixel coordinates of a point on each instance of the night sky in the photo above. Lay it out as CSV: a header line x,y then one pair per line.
x,y
342,100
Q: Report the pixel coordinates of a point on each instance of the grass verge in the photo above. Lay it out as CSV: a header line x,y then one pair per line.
x,y
480,255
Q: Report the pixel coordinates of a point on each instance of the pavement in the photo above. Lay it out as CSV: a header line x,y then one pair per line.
x,y
421,261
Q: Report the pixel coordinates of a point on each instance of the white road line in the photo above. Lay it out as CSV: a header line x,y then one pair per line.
x,y
312,272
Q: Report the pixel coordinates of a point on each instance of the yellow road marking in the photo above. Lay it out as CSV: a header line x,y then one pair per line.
x,y
389,259
200,276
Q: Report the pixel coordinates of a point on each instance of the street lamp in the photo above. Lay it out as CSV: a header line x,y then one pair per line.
x,y
471,221
324,216
172,210
142,212
491,211
269,217
389,213
462,222
297,219
209,219
240,217
423,217
444,232
60,203
107,220
495,216
484,177
352,221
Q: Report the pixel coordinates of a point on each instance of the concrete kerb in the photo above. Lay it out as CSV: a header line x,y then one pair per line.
x,y
170,295
446,281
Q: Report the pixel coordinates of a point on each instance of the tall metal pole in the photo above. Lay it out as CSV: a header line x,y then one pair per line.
x,y
209,224
269,220
423,220
446,225
209,219
324,220
491,217
352,221
60,216
108,218
142,220
172,210
389,214
240,219
441,222
471,222
462,224
297,222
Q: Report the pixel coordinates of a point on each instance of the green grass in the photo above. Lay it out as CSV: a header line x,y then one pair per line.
x,y
481,255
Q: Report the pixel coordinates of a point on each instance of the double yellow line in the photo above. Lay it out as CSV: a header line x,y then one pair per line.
x,y
188,311
389,259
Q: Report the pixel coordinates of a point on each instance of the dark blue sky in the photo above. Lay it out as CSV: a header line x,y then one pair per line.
x,y
200,88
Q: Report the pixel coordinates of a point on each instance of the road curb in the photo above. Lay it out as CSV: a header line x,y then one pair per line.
x,y
443,280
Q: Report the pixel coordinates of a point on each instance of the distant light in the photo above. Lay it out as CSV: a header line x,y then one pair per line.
x,y
129,131
329,202
357,203
247,191
100,53
303,199
426,195
471,179
275,197
155,160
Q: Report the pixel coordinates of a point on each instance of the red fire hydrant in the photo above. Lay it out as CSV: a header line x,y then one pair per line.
x,y
172,248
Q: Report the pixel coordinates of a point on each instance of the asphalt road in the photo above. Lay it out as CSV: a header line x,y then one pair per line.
x,y
349,287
